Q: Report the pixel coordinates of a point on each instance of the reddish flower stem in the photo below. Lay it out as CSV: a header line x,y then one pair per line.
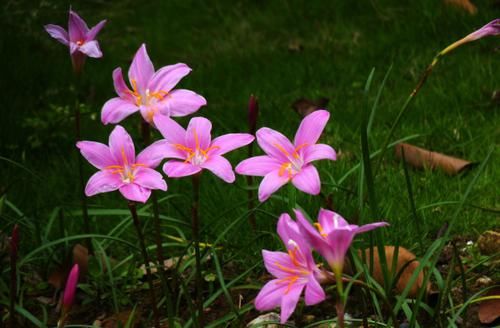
x,y
195,226
133,210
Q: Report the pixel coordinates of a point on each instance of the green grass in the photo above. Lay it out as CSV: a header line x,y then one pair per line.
x,y
241,48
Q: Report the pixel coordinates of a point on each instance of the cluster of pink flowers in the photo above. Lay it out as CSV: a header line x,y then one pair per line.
x,y
295,270
191,150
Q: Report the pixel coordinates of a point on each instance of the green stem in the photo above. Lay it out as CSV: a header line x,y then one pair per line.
x,y
146,134
83,197
292,197
195,223
133,210
341,299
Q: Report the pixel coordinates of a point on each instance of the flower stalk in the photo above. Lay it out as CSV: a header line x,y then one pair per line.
x,y
253,113
195,226
146,135
133,211
14,245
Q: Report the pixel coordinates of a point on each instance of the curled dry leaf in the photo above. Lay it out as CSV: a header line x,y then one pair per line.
x,y
463,4
304,106
406,262
489,310
422,158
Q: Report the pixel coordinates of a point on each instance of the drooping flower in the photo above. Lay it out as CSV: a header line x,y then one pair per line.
x,y
194,150
490,29
120,169
152,92
70,288
332,236
294,271
285,162
79,38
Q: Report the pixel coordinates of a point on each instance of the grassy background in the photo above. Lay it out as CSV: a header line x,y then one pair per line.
x,y
238,48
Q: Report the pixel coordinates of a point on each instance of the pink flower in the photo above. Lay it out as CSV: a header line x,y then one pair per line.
x,y
70,289
492,28
333,235
196,149
287,162
294,271
120,169
79,38
151,92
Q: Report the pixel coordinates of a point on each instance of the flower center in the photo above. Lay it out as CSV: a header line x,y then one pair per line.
x,y
297,271
147,97
295,161
80,42
198,155
127,172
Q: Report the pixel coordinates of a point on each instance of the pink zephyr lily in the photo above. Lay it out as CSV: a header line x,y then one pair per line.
x,y
196,149
151,92
79,38
285,162
294,271
120,169
333,235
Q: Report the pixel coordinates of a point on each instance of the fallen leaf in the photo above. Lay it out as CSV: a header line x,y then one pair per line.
x,y
295,45
489,310
422,158
489,242
57,278
405,259
261,319
304,106
463,4
81,257
121,319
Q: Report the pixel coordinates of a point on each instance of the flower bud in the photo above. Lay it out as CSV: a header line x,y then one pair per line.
x,y
70,289
253,113
14,242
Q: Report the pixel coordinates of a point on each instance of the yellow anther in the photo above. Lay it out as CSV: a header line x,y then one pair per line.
x,y
281,149
320,229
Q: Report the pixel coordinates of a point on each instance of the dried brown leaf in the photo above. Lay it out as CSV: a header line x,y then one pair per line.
x,y
422,158
489,310
121,319
304,106
463,4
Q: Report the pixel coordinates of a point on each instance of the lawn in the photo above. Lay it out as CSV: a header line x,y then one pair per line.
x,y
278,51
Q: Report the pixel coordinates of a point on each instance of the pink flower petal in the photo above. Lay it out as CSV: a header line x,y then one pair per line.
x,y
95,30
117,109
371,226
311,127
177,169
172,131
330,220
319,151
270,184
167,77
314,293
58,33
270,295
258,166
230,142
198,133
155,153
276,261
289,230
313,237
96,153
181,102
219,166
135,192
121,87
339,241
150,179
77,27
275,144
307,180
121,146
141,70
102,181
289,300
91,49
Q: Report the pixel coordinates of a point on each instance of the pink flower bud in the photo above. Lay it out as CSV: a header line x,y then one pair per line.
x,y
492,28
69,291
14,242
253,113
